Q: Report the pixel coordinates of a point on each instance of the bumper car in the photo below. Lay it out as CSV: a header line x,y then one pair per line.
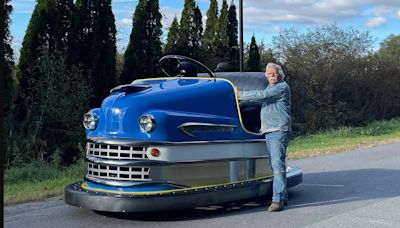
x,y
181,141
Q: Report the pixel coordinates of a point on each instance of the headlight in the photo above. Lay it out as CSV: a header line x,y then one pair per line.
x,y
90,121
147,123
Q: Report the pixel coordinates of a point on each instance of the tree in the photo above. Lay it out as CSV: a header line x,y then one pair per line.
x,y
144,49
7,65
390,48
172,40
232,33
95,45
198,30
49,28
8,60
55,123
387,78
190,30
266,53
221,37
253,63
329,71
210,30
119,62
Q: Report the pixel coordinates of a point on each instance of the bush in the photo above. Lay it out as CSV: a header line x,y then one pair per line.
x,y
53,121
336,79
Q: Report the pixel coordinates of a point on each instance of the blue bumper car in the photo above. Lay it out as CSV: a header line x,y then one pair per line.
x,y
177,142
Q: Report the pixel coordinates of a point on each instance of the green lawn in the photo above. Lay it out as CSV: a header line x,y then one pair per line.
x,y
38,181
345,139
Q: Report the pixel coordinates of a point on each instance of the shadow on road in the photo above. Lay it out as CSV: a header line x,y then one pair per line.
x,y
227,209
344,186
317,189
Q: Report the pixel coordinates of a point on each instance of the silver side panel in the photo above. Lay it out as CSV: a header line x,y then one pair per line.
x,y
226,151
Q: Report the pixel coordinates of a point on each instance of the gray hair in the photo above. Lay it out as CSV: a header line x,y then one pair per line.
x,y
278,68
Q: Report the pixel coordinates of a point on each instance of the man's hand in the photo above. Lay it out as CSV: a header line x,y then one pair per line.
x,y
236,91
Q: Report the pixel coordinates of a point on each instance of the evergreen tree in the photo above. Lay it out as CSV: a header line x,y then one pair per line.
x,y
7,64
221,38
210,31
198,31
267,56
190,30
232,32
171,46
96,46
253,63
7,59
49,29
144,49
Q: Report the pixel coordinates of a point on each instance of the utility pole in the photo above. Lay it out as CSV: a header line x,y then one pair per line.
x,y
241,34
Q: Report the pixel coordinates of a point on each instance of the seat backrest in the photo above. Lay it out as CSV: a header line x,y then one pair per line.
x,y
245,81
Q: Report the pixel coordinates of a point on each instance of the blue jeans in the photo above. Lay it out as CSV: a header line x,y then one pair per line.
x,y
277,142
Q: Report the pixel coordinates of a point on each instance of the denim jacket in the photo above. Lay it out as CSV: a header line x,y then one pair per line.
x,y
275,110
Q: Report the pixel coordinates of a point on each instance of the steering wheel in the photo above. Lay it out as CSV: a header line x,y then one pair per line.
x,y
172,61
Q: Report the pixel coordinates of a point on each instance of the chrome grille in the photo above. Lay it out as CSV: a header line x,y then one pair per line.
x,y
114,172
115,151
118,172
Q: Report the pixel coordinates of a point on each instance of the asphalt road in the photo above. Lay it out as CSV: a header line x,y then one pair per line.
x,y
360,188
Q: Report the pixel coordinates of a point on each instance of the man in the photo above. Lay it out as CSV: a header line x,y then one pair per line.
x,y
276,125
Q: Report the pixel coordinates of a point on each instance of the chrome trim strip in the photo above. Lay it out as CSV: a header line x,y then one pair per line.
x,y
184,127
129,183
186,132
219,160
189,124
139,86
112,162
129,142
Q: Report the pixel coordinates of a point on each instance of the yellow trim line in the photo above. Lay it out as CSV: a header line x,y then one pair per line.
x,y
85,186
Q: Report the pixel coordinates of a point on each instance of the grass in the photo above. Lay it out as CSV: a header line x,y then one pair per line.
x,y
38,181
345,139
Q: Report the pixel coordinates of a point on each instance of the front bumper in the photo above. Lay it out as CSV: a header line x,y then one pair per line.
x,y
78,195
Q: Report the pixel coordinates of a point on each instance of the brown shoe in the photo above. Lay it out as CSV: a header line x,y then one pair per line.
x,y
275,206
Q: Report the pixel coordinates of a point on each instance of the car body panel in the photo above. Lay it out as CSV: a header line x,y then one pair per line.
x,y
172,102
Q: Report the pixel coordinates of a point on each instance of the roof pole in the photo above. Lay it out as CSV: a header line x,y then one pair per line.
x,y
241,34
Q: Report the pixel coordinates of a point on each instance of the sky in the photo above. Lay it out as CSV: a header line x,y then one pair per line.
x,y
263,18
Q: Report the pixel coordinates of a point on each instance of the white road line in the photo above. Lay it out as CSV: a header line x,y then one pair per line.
x,y
325,185
324,202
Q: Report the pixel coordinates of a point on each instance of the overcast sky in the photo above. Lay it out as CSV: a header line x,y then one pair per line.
x,y
263,18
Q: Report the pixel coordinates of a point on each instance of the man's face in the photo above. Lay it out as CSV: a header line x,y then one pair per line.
x,y
272,75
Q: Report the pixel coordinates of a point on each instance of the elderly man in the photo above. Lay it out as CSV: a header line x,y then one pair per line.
x,y
276,125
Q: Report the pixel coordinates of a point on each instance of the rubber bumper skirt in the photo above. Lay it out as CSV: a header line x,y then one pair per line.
x,y
76,195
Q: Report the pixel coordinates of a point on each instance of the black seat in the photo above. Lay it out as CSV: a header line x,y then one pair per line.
x,y
246,81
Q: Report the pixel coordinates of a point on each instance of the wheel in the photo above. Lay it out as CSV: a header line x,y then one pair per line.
x,y
173,65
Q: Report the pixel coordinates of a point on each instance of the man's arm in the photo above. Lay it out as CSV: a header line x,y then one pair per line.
x,y
271,93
